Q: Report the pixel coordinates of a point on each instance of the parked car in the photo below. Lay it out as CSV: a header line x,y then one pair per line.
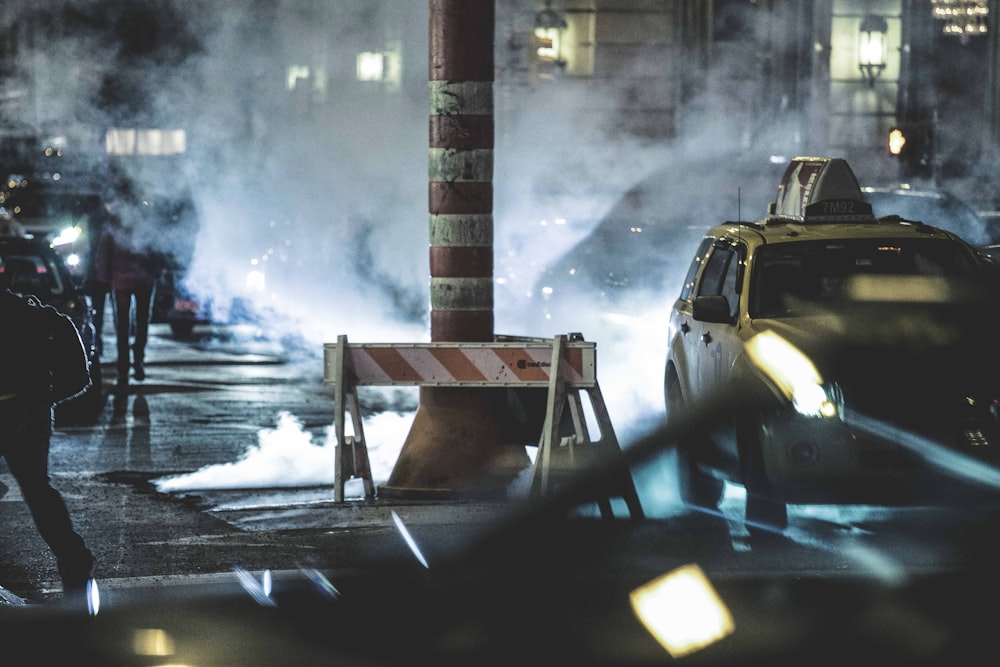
x,y
639,246
30,265
887,322
175,306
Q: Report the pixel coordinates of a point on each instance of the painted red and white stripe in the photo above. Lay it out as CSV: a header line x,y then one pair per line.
x,y
454,364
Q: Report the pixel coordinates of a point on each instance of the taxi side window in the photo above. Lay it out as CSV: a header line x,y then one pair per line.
x,y
692,273
720,275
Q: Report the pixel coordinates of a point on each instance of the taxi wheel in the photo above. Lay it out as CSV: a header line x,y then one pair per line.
x,y
761,509
696,487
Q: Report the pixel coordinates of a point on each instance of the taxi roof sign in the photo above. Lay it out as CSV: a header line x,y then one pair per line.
x,y
819,189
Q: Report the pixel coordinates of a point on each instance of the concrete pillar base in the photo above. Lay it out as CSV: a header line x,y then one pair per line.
x,y
455,447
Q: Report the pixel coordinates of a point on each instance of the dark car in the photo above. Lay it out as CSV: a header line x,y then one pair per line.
x,y
636,250
30,265
933,206
856,321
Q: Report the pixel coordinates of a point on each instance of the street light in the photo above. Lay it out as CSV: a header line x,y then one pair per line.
x,y
871,47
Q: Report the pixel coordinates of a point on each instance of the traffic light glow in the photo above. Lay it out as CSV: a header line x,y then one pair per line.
x,y
896,141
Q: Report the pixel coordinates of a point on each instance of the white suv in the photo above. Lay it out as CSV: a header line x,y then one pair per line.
x,y
864,331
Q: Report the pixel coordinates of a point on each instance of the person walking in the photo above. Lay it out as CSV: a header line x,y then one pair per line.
x,y
26,422
127,261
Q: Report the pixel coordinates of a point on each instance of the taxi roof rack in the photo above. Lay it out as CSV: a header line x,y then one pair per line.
x,y
818,190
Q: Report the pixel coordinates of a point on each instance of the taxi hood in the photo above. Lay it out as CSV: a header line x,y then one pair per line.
x,y
905,361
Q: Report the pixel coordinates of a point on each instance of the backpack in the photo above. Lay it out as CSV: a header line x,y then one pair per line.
x,y
45,359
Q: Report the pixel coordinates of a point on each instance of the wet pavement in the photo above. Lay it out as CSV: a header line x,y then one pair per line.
x,y
204,403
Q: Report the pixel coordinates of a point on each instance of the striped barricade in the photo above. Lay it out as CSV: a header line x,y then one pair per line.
x,y
565,365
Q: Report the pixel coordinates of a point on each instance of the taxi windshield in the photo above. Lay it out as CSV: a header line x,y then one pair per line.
x,y
786,276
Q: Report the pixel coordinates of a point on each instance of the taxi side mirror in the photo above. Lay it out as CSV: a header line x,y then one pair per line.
x,y
712,308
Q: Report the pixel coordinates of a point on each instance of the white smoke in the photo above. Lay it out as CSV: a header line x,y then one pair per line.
x,y
333,211
287,457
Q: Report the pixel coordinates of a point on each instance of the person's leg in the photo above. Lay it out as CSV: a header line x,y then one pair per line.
x,y
123,304
143,313
99,297
27,454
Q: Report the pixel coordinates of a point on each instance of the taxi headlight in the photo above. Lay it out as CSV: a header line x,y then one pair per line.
x,y
795,376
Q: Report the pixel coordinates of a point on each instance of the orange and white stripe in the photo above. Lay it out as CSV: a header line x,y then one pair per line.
x,y
460,364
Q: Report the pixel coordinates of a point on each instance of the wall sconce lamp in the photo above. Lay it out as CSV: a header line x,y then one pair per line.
x,y
871,47
549,26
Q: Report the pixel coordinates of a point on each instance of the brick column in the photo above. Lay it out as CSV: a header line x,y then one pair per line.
x,y
455,443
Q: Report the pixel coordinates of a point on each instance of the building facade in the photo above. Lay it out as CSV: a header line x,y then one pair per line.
x,y
829,76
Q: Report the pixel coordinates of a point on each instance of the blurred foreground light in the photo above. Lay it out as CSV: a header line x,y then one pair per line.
x,y
93,597
73,260
67,235
152,641
260,590
408,538
322,584
682,611
792,372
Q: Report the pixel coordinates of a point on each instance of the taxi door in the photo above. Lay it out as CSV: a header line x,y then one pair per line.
x,y
718,343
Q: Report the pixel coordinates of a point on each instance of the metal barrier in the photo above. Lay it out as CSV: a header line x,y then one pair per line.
x,y
565,365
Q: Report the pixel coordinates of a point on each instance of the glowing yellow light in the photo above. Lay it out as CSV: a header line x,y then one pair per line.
x,y
896,141
682,611
370,66
152,641
548,42
792,372
872,48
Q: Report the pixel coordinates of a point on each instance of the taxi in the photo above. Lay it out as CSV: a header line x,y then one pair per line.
x,y
876,336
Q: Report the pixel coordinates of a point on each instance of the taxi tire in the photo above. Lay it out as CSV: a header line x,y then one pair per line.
x,y
695,487
762,510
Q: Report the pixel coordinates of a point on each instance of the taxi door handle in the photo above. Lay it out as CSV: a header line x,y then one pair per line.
x,y
706,338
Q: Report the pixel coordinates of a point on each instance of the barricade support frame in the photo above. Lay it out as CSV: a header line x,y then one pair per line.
x,y
556,455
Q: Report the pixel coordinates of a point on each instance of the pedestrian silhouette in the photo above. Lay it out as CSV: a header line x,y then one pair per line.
x,y
25,436
128,262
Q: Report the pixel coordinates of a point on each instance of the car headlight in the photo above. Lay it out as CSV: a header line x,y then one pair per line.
x,y
795,376
67,235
